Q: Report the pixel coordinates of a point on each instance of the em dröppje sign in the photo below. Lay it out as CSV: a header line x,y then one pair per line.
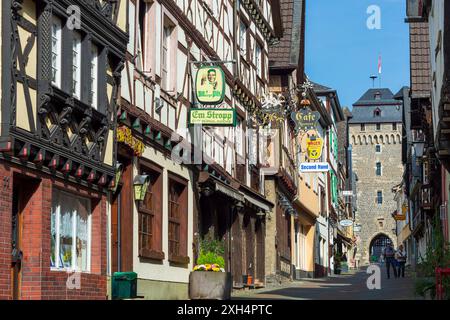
x,y
210,85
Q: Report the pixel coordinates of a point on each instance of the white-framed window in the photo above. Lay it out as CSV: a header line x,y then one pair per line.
x,y
70,232
378,148
239,137
94,76
379,197
378,169
76,65
243,38
258,59
165,67
56,51
207,144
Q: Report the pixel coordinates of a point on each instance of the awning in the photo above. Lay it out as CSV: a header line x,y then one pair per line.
x,y
256,202
345,239
228,191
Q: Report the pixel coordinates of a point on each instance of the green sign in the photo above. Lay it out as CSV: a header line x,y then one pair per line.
x,y
213,117
210,85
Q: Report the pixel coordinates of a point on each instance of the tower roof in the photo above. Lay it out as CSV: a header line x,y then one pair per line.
x,y
380,96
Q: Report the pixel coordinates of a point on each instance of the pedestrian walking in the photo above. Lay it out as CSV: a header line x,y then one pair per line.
x,y
400,256
389,256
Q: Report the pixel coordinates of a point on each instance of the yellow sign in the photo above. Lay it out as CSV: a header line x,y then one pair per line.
x,y
125,136
210,85
314,147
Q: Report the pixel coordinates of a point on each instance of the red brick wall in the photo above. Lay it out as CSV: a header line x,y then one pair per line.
x,y
38,281
5,232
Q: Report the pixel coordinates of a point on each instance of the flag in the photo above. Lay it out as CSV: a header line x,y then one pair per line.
x,y
379,64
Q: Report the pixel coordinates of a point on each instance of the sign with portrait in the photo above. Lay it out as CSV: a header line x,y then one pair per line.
x,y
210,85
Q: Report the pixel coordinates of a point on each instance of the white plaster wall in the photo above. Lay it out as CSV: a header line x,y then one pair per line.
x,y
164,271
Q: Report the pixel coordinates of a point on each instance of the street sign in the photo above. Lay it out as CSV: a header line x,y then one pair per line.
x,y
212,117
314,167
346,223
210,85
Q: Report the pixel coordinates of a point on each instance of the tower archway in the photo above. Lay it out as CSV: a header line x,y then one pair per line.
x,y
377,245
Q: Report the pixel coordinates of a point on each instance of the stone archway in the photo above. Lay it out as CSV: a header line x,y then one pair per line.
x,y
376,245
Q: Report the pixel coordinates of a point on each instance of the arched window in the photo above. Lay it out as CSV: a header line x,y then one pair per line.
x,y
377,112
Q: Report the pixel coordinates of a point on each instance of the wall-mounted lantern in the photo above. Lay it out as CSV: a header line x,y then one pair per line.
x,y
118,175
141,183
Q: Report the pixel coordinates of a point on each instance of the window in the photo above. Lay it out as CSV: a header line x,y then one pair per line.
x,y
76,65
178,212
150,214
394,127
238,136
56,51
379,197
70,232
363,127
165,68
378,169
243,38
378,126
94,76
258,59
378,148
377,113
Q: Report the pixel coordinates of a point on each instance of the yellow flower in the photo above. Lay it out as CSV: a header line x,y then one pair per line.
x,y
208,266
216,269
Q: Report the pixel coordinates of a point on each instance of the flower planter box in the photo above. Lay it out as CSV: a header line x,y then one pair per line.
x,y
210,285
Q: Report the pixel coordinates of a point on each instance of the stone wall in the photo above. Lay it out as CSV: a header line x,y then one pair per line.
x,y
375,218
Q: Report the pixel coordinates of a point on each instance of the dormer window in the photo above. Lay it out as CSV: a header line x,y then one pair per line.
x,y
377,95
377,113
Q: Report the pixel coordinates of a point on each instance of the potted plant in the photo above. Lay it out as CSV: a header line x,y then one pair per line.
x,y
209,280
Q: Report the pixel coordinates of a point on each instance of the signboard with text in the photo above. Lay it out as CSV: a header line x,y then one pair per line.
x,y
314,167
212,117
314,147
305,119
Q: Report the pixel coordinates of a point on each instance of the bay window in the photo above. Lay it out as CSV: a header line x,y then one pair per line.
x,y
70,232
56,31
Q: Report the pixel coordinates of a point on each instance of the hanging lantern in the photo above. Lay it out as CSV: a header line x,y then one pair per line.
x,y
141,183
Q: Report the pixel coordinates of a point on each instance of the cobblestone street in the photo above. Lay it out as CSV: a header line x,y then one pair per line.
x,y
351,286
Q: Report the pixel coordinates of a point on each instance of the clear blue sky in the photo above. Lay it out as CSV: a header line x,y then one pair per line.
x,y
342,53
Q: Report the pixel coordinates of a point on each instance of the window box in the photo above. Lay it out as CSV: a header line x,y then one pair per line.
x,y
151,254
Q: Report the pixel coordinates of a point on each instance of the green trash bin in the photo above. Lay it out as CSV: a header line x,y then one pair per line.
x,y
124,285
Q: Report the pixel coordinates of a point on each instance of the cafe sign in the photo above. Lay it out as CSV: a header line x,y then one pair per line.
x,y
212,117
314,147
305,119
210,85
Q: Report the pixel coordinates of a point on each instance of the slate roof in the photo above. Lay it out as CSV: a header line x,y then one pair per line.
x,y
287,53
420,60
364,109
368,98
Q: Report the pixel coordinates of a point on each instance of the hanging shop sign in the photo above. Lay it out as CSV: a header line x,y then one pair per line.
x,y
346,223
212,117
314,167
314,147
210,85
305,119
125,136
357,228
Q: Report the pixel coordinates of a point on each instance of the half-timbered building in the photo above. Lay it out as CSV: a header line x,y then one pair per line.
x,y
218,195
61,65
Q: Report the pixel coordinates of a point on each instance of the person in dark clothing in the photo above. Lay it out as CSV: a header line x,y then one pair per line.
x,y
400,256
389,257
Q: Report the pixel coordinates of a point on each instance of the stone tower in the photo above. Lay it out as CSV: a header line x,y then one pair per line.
x,y
375,134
